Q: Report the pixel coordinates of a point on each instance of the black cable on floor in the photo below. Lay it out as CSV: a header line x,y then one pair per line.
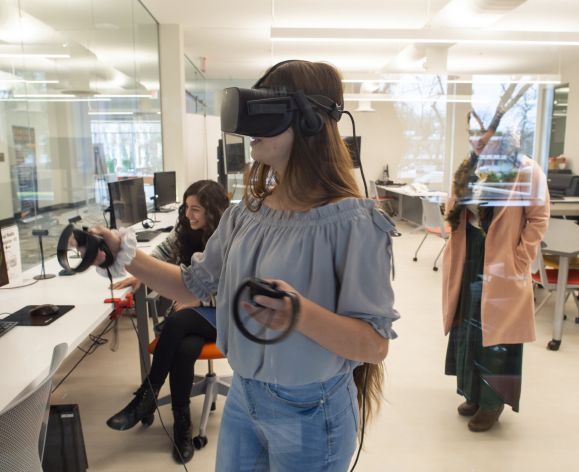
x,y
142,358
86,353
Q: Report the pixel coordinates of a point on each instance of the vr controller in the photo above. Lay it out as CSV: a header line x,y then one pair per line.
x,y
255,287
86,244
261,287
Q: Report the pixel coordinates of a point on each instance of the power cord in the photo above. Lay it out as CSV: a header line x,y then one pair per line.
x,y
142,357
105,218
20,286
97,340
90,350
357,151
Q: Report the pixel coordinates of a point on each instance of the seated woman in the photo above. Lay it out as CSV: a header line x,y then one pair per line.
x,y
184,331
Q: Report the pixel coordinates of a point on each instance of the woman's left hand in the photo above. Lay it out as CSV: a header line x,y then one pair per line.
x,y
274,313
177,306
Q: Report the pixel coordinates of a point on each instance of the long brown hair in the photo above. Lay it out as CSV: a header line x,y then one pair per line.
x,y
319,171
213,199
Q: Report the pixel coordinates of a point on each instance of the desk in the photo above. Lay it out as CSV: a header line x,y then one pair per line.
x,y
26,351
562,240
568,206
409,204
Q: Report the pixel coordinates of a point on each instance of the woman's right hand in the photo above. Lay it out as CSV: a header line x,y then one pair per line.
x,y
128,282
112,240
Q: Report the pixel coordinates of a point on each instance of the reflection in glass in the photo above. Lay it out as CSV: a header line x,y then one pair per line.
x,y
498,213
79,106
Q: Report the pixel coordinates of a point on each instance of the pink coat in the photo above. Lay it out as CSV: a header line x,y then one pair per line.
x,y
512,242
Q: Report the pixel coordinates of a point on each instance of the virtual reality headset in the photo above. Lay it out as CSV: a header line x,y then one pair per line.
x,y
263,113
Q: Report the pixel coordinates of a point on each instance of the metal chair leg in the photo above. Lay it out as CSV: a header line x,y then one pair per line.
x,y
419,246
434,267
543,301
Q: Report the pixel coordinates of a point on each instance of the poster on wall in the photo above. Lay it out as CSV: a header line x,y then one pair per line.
x,y
11,245
25,168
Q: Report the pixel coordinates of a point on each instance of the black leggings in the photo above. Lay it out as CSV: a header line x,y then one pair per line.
x,y
183,336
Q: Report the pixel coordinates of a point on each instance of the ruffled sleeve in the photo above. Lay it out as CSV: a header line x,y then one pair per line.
x,y
202,276
363,267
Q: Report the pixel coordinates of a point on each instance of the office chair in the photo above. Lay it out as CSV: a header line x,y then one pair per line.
x,y
433,223
211,385
23,423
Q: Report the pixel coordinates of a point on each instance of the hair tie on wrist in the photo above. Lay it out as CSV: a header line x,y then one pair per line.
x,y
125,256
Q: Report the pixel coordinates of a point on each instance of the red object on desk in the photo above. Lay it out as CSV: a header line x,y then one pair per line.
x,y
120,305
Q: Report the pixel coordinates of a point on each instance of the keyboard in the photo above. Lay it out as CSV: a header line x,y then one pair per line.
x,y
146,236
6,326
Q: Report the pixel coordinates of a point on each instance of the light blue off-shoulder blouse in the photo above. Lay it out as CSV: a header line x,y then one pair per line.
x,y
338,255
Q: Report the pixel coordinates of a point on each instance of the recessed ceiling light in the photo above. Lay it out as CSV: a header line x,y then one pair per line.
x,y
107,26
426,35
44,95
128,96
31,56
100,113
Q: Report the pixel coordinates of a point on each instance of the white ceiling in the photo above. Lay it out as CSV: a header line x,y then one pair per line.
x,y
234,36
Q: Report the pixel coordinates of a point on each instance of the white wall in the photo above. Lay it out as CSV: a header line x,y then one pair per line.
x,y
213,134
382,139
195,148
173,116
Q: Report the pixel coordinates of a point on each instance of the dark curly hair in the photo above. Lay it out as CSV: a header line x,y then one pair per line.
x,y
213,199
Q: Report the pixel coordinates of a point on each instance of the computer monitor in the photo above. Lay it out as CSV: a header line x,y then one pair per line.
x,y
165,184
234,150
127,202
349,141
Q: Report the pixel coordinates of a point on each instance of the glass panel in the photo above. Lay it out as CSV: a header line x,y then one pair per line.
x,y
79,106
558,124
195,94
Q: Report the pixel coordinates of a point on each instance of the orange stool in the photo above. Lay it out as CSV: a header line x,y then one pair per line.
x,y
211,385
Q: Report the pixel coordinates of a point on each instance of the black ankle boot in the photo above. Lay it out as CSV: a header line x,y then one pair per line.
x,y
183,449
141,408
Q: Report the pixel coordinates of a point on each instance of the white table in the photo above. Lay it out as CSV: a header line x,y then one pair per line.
x,y
26,351
562,240
568,206
409,204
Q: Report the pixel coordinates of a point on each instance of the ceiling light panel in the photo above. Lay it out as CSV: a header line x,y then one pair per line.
x,y
348,14
431,36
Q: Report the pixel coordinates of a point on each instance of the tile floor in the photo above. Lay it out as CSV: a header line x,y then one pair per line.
x,y
417,429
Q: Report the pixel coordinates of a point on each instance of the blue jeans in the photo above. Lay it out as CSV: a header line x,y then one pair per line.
x,y
268,427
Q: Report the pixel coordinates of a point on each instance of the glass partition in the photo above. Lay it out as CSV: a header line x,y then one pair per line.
x,y
195,94
79,106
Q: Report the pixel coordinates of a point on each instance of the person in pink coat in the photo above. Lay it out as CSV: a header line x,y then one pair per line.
x,y
498,213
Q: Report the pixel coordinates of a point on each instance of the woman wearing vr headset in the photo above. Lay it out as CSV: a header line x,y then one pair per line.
x,y
184,331
294,405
